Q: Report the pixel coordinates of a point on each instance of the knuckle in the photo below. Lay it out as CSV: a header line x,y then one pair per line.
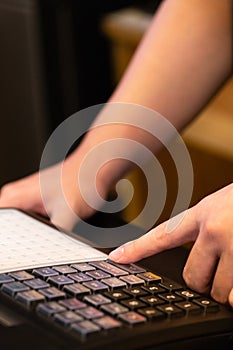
x,y
211,229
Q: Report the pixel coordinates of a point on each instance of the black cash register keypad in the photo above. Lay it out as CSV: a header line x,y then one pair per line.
x,y
86,298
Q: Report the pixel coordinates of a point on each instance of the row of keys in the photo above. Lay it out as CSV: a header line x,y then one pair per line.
x,y
82,272
78,289
77,315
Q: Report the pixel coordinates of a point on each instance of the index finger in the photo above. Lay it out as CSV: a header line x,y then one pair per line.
x,y
158,239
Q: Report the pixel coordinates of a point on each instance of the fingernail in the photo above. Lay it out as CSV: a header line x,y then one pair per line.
x,y
117,254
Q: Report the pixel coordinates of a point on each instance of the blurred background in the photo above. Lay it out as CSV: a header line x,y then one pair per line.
x,y
60,56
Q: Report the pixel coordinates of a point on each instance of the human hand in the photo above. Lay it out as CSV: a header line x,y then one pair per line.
x,y
52,194
209,267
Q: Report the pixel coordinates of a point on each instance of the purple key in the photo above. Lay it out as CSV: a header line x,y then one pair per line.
x,y
36,283
97,299
132,280
76,289
131,268
4,278
21,275
67,317
95,286
52,293
83,267
12,288
84,327
30,298
107,322
60,280
49,309
90,312
80,277
114,308
113,270
98,274
44,272
64,269
132,317
114,282
72,304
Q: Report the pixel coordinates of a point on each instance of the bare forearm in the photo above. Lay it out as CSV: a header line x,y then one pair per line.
x,y
183,59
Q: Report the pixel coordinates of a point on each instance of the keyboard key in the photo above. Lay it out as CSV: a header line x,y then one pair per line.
x,y
105,266
131,268
21,275
90,312
97,299
154,289
12,288
114,282
116,295
95,286
171,310
60,280
107,322
170,297
66,318
45,272
208,304
52,293
49,309
151,313
187,294
98,274
37,283
114,308
133,304
4,278
64,269
84,328
171,285
77,289
149,277
189,307
80,277
152,300
135,291
132,280
132,317
83,267
72,304
30,298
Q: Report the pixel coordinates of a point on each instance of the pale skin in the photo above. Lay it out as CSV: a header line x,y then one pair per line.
x,y
183,59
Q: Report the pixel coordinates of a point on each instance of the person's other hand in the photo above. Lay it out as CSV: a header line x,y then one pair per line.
x,y
209,268
51,194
